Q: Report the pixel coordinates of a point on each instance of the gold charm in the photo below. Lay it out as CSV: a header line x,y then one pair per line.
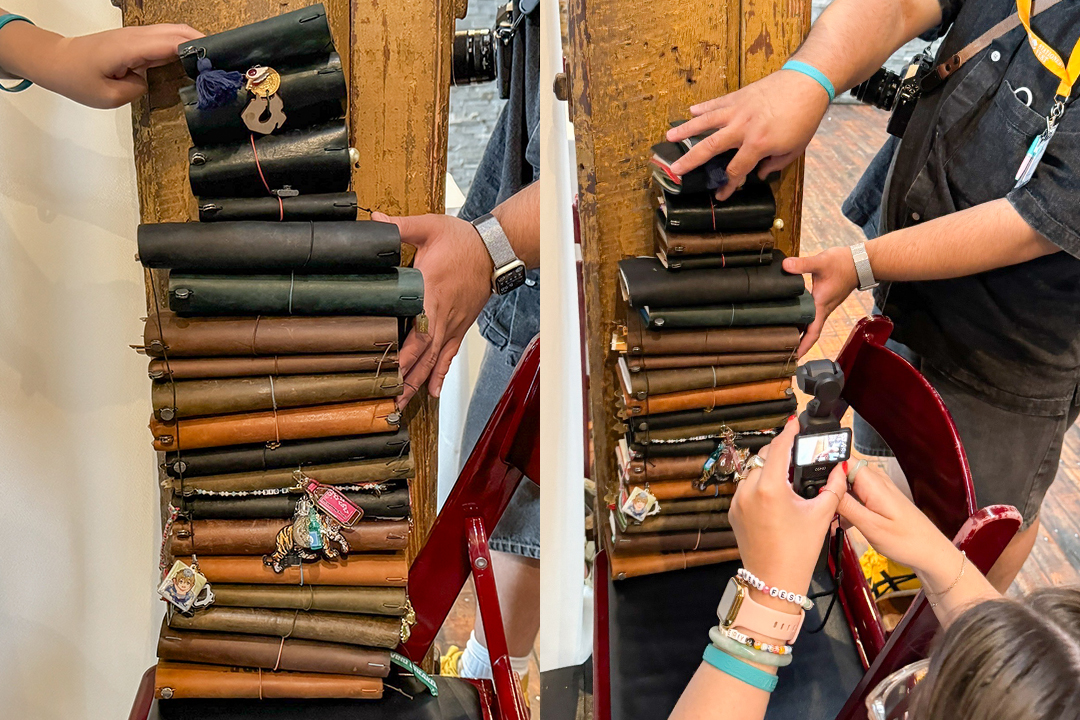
x,y
422,323
266,111
262,81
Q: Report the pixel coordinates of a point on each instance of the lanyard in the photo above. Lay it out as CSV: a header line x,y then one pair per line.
x,y
1049,57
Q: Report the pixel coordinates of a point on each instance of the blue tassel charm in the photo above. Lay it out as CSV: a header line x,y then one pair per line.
x,y
216,88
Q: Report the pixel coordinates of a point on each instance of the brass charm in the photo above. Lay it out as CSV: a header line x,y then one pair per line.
x,y
266,111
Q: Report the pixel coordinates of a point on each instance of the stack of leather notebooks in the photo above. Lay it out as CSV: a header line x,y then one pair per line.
x,y
273,355
705,360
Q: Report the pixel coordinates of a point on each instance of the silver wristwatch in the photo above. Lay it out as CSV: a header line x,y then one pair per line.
x,y
509,270
862,267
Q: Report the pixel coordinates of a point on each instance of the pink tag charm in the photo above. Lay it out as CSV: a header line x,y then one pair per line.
x,y
334,503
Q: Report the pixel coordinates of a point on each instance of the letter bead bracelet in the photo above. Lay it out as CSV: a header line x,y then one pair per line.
x,y
752,580
751,642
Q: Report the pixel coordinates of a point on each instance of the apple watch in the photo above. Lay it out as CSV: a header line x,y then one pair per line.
x,y
862,267
738,609
509,270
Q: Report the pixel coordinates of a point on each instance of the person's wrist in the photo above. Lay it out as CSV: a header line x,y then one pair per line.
x,y
941,565
814,92
481,258
28,52
782,579
841,259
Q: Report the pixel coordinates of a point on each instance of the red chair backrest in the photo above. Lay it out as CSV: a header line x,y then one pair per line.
x,y
898,402
507,452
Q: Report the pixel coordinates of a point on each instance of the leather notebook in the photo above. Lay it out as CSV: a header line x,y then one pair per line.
x,y
640,340
214,337
640,363
645,282
173,399
697,505
681,523
715,415
231,367
365,570
353,472
685,468
711,397
331,598
675,263
390,505
657,382
258,536
687,489
392,291
250,246
288,38
667,542
692,433
295,208
252,458
630,566
712,243
751,209
705,178
304,423
178,681
645,450
794,311
309,160
311,94
271,653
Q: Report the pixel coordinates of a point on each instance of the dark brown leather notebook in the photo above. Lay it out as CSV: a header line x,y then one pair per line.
x,y
330,598
367,630
628,566
641,340
180,368
376,470
175,681
657,382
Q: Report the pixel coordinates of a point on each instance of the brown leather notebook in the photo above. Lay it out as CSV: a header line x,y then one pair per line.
x,y
359,418
368,570
640,340
349,473
702,505
190,680
711,243
669,542
271,653
710,397
638,363
690,433
259,537
680,523
218,396
687,489
182,368
666,468
644,383
330,598
628,566
257,335
367,630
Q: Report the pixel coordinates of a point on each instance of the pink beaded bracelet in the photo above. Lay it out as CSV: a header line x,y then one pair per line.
x,y
753,581
751,642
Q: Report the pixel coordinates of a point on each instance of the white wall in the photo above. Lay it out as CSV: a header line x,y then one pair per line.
x,y
79,512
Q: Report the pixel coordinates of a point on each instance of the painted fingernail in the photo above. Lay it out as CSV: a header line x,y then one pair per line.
x,y
845,467
791,417
820,490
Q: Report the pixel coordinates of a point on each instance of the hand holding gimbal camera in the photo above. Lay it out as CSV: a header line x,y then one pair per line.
x,y
821,443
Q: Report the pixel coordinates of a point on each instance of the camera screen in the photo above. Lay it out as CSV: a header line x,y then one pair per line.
x,y
826,448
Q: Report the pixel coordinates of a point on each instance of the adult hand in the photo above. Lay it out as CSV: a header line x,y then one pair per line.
x,y
890,522
771,120
780,533
457,283
103,70
833,278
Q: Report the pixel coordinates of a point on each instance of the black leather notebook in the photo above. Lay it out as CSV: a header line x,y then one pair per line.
x,y
645,282
750,209
297,208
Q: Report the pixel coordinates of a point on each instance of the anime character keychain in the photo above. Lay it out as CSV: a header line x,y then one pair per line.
x,y
639,504
266,111
185,588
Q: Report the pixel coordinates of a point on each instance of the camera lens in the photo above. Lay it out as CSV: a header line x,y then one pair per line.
x,y
879,90
474,57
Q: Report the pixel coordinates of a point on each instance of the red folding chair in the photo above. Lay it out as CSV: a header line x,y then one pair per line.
x,y
508,452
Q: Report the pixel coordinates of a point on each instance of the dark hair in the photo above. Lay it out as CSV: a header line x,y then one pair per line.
x,y
1007,660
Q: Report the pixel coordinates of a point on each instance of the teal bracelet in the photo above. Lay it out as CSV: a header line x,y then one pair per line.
x,y
812,72
744,652
739,669
4,20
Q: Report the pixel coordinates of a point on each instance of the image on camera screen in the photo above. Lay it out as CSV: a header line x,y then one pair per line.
x,y
825,448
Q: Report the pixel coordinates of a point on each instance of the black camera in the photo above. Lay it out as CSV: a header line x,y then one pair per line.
x,y
896,93
481,56
821,442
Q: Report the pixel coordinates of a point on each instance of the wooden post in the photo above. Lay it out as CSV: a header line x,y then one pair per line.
x,y
397,59
634,66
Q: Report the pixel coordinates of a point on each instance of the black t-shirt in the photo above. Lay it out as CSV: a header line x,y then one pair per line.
x,y
1011,335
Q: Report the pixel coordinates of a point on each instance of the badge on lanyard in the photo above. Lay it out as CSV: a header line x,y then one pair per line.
x,y
1038,147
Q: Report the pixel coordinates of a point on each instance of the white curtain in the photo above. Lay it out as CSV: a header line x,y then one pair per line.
x,y
564,625
79,509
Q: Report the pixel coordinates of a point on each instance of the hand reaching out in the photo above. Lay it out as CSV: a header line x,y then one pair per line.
x,y
457,283
833,278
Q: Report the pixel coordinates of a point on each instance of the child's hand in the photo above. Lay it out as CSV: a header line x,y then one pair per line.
x,y
103,70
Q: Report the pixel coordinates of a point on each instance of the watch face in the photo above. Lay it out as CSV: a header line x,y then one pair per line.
x,y
730,603
509,278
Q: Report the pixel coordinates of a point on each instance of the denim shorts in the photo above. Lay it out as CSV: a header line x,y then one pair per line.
x,y
1013,456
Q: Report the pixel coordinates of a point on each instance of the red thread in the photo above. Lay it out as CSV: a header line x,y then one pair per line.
x,y
258,166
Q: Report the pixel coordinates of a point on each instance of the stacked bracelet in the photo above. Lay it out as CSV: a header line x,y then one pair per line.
x,y
739,669
737,649
751,642
4,20
753,581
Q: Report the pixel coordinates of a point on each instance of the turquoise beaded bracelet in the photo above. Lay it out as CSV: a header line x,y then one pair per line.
x,y
4,20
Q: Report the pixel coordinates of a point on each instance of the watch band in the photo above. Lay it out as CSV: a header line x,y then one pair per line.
x,y
738,609
862,267
498,246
